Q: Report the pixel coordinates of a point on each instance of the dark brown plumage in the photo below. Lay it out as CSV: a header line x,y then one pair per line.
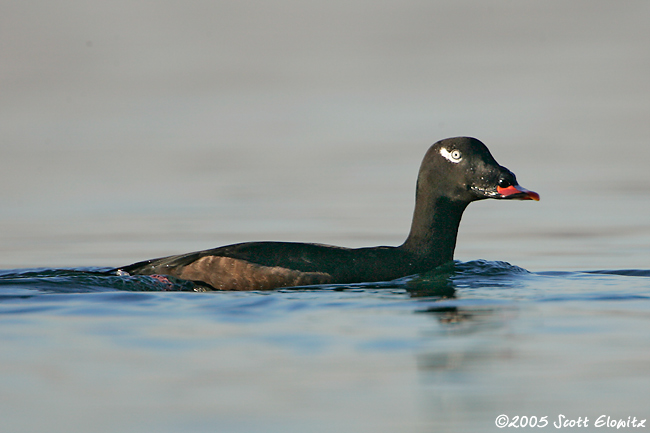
x,y
454,172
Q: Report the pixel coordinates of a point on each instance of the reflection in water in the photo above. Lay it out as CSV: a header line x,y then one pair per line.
x,y
462,324
464,343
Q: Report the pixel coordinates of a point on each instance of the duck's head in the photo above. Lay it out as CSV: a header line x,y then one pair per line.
x,y
462,169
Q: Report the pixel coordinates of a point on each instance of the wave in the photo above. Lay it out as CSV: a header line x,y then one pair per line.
x,y
443,281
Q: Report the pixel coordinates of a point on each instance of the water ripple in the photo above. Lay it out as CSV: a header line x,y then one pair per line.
x,y
474,281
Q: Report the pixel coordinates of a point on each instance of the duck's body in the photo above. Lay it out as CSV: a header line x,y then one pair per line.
x,y
454,173
268,265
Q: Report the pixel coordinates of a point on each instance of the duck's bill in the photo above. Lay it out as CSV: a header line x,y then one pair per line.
x,y
516,192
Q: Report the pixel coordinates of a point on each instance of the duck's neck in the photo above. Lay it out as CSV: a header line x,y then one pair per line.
x,y
434,229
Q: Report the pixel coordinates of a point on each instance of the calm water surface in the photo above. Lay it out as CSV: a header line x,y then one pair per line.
x,y
449,351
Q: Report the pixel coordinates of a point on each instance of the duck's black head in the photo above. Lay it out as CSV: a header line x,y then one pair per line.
x,y
462,169
454,173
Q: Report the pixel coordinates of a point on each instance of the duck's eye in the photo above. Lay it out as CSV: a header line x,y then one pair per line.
x,y
454,156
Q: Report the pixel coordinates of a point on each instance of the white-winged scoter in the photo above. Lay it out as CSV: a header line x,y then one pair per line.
x,y
454,173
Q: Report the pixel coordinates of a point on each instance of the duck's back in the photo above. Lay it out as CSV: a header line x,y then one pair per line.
x,y
269,265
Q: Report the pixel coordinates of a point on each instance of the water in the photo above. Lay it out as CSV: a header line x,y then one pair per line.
x,y
132,131
452,349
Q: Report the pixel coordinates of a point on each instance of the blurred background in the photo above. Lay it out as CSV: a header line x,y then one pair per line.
x,y
131,130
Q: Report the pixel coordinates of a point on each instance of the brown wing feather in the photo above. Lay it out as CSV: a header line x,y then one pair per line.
x,y
225,273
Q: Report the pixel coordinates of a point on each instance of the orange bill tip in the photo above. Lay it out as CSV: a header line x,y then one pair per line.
x,y
518,193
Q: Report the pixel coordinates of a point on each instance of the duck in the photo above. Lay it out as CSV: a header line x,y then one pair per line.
x,y
454,173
